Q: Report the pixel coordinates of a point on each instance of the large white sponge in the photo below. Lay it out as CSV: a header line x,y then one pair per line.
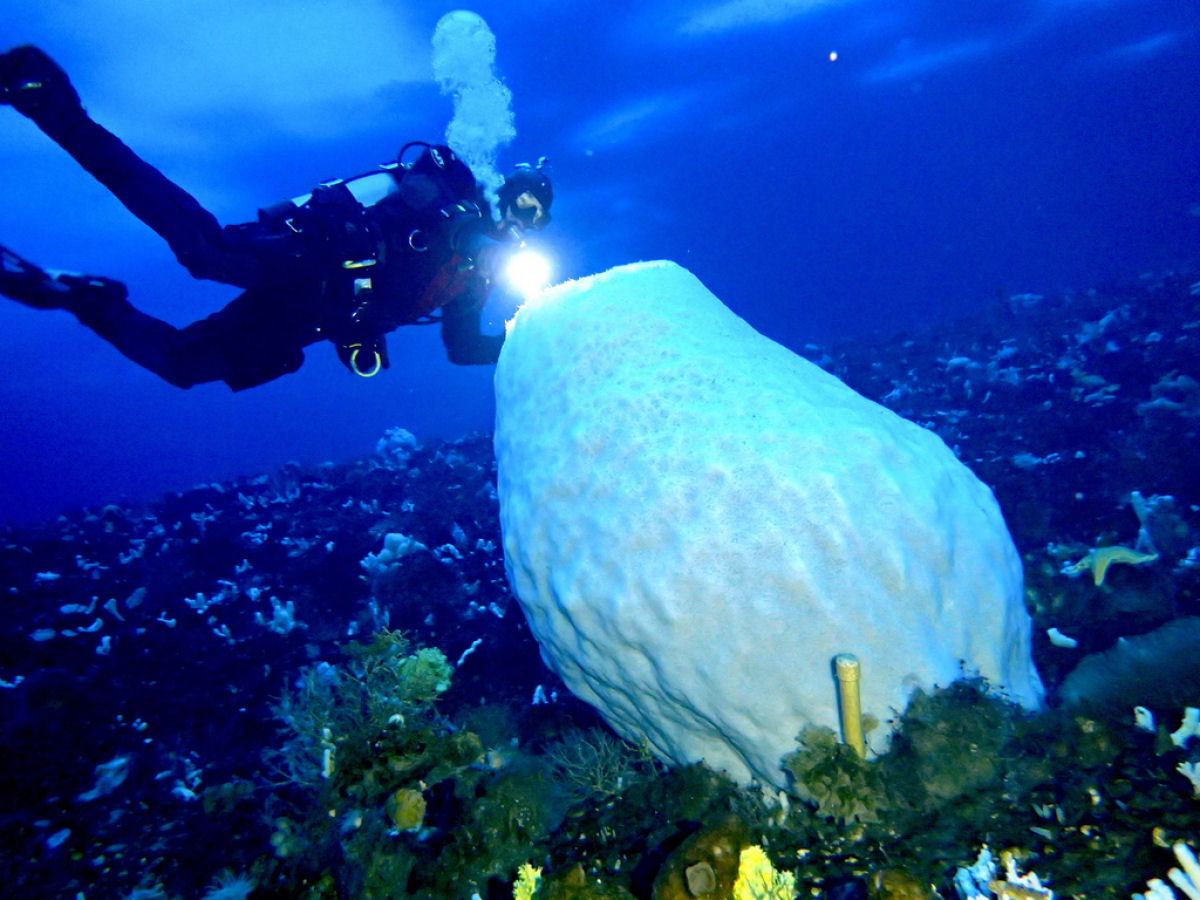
x,y
696,521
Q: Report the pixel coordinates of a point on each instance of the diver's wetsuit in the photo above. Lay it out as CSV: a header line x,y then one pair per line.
x,y
298,288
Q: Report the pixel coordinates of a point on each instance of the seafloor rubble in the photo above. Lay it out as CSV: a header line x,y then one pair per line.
x,y
237,689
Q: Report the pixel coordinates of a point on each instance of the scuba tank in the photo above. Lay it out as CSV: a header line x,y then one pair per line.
x,y
333,224
431,201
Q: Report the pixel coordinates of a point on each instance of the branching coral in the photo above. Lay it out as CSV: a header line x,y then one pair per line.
x,y
593,764
333,706
1186,878
529,881
759,880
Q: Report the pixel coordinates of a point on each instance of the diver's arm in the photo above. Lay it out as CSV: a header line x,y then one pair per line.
x,y
477,248
466,344
38,88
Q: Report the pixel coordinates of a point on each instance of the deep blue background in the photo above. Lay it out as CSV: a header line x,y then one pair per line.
x,y
948,154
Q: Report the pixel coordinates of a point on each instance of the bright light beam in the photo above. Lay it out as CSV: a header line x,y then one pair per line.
x,y
528,272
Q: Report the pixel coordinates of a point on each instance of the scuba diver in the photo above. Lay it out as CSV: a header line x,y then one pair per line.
x,y
412,242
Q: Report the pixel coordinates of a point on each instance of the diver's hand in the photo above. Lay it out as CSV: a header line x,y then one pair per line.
x,y
490,259
481,251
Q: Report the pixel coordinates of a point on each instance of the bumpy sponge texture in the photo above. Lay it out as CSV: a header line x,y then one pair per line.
x,y
696,521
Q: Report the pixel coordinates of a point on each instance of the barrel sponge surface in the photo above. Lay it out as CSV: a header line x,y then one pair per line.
x,y
696,521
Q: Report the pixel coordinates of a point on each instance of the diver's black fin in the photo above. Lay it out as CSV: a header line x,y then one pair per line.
x,y
32,83
26,283
34,286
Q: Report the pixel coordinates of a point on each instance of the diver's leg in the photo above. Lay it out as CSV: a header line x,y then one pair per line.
x,y
238,345
101,305
147,341
244,345
37,87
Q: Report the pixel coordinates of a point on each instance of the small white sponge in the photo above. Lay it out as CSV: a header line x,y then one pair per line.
x,y
696,521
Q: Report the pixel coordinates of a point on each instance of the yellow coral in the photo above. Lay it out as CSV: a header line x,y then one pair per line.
x,y
529,880
758,879
1100,558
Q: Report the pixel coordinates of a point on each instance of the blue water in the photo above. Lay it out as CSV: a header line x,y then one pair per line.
x,y
941,158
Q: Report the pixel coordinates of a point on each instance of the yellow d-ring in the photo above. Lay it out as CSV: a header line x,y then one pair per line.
x,y
355,349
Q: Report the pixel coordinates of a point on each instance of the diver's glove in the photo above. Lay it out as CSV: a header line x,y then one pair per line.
x,y
490,259
486,250
33,84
